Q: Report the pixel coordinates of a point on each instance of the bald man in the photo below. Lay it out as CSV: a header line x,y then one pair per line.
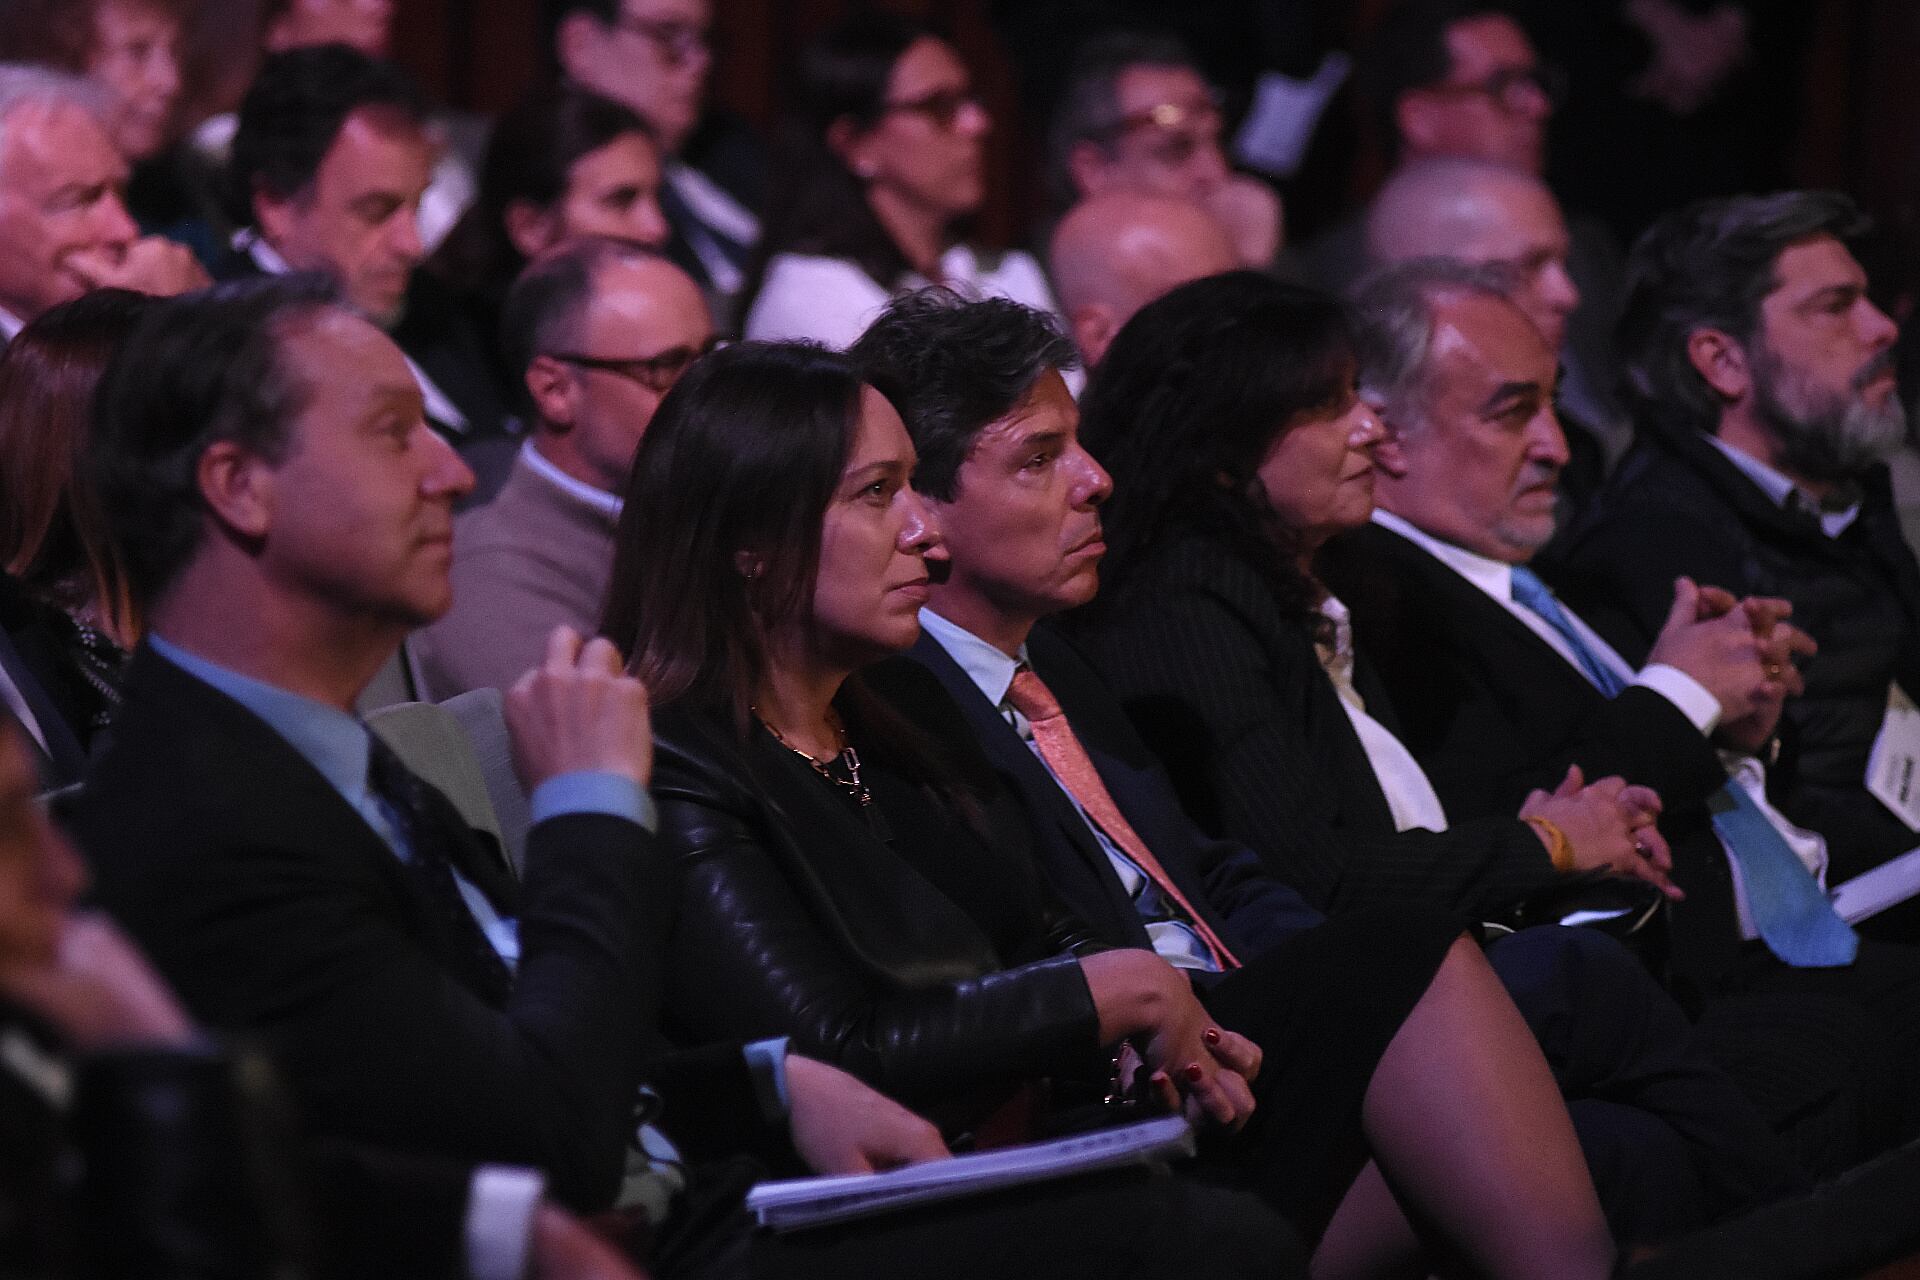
x,y
1114,253
601,330
1487,214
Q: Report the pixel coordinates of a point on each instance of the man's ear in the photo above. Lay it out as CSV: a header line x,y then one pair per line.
x,y
845,138
237,485
272,215
577,45
554,390
1087,169
1413,118
1720,360
1093,330
533,231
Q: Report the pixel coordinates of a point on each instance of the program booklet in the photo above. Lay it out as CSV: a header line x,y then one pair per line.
x,y
811,1202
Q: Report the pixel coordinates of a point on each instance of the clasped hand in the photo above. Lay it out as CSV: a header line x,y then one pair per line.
x,y
1741,651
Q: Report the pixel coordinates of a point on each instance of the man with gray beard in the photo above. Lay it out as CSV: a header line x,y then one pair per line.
x,y
1761,377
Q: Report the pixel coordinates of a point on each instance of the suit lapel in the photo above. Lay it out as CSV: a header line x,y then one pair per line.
x,y
247,775
1058,822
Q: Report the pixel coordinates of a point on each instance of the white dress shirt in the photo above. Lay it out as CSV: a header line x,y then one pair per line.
x,y
1781,489
1410,794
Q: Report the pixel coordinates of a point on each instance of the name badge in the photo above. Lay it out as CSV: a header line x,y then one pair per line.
x,y
1893,770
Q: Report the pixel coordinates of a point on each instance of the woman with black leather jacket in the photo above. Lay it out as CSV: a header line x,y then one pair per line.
x,y
852,878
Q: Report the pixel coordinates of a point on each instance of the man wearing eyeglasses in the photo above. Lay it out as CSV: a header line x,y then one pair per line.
x,y
1136,116
602,330
653,56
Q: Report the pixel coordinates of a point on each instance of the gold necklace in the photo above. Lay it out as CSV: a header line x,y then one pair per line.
x,y
847,756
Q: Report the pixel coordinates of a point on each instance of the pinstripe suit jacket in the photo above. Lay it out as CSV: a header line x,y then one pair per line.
x,y
1227,689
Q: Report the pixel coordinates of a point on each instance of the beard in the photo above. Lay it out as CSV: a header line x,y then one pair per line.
x,y
1828,435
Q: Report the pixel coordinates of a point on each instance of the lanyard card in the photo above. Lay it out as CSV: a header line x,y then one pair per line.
x,y
1893,770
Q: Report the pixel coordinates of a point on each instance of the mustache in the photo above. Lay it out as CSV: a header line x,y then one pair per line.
x,y
1874,368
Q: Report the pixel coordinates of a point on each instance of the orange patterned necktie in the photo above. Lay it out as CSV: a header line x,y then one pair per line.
x,y
1075,770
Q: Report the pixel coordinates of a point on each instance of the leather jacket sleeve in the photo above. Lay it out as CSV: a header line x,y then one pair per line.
x,y
874,971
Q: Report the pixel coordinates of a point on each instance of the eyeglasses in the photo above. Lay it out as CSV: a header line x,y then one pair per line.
x,y
1200,117
679,42
942,108
655,373
1505,86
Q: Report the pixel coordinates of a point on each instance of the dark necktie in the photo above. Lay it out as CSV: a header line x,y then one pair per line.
x,y
440,845
1795,919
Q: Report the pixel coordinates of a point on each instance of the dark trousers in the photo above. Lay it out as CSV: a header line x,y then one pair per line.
x,y
1671,1139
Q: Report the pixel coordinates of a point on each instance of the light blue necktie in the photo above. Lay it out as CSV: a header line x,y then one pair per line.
x,y
1796,920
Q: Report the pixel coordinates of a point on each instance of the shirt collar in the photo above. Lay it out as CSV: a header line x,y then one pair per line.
x,y
1781,490
250,242
990,670
607,504
331,741
1495,577
10,326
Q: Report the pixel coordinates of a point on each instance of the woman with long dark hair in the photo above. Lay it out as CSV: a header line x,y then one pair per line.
x,y
562,164
853,876
54,542
877,174
1228,415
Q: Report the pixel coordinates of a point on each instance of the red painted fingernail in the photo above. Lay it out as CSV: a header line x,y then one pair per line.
x,y
1212,1036
1193,1073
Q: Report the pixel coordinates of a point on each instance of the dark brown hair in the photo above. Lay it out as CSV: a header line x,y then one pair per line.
x,y
740,461
53,529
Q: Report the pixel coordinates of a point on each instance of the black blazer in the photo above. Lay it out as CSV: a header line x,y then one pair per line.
x,y
1678,506
924,955
1225,685
273,908
1224,880
1492,711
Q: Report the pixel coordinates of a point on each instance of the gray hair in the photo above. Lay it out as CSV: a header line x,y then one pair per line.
x,y
1089,106
1393,325
26,85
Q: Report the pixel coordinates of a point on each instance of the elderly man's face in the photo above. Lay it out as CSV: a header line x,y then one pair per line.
x,y
1491,106
1822,365
60,184
359,219
1482,450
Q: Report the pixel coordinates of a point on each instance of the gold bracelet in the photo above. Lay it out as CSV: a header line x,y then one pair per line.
x,y
1559,848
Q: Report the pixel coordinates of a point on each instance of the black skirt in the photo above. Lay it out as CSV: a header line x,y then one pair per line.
x,y
1323,1006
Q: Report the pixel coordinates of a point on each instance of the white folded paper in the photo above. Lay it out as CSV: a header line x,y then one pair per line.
x,y
810,1202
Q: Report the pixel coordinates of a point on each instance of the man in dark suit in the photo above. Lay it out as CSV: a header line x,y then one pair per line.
x,y
330,159
292,516
98,1061
1764,378
1498,687
1018,502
